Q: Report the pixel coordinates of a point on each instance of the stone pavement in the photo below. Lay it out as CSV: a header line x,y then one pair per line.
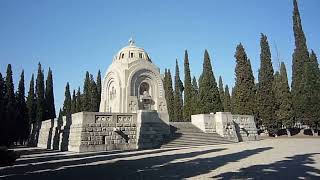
x,y
265,159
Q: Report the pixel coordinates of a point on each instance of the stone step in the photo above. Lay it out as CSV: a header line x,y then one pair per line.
x,y
191,144
198,141
196,138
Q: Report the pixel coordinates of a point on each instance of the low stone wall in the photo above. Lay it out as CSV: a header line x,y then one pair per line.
x,y
205,122
245,127
97,131
234,127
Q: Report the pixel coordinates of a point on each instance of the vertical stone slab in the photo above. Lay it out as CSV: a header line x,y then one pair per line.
x,y
225,126
205,122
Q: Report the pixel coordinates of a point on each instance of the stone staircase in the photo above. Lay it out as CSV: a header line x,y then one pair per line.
x,y
185,134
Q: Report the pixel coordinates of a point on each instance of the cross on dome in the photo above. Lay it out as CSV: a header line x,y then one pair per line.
x,y
132,42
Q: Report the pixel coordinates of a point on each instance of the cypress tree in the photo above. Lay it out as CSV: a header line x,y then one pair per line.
x,y
187,108
39,106
78,101
194,97
86,103
74,102
67,101
221,91
94,104
178,89
227,100
31,105
10,118
265,94
49,97
99,88
284,111
2,111
244,95
209,98
170,97
22,119
299,57
311,97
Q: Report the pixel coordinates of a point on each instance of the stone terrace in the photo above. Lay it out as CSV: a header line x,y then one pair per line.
x,y
289,158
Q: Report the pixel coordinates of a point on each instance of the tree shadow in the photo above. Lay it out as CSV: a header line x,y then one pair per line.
x,y
295,167
66,133
75,160
173,166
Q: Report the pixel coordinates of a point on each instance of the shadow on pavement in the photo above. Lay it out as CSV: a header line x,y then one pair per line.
x,y
296,167
174,166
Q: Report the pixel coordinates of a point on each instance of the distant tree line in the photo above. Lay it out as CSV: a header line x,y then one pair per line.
x,y
21,115
274,105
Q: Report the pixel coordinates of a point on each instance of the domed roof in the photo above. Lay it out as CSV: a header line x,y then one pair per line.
x,y
132,53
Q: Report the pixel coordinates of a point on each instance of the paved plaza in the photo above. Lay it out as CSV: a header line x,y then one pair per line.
x,y
296,158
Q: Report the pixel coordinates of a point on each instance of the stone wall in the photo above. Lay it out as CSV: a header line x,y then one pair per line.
x,y
234,127
245,127
99,131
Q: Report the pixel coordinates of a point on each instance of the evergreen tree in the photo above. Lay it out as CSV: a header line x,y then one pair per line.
x,y
299,58
284,111
74,102
94,104
221,91
265,94
67,101
227,100
178,89
243,94
99,89
187,108
22,114
86,103
40,106
78,101
49,97
194,97
311,94
209,98
2,111
10,109
31,105
170,97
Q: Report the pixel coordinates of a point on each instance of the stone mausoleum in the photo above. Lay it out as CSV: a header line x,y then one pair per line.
x,y
133,113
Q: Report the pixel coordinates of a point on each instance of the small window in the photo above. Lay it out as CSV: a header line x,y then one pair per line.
x,y
131,55
122,56
140,55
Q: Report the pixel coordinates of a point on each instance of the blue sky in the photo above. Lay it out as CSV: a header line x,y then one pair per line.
x,y
75,36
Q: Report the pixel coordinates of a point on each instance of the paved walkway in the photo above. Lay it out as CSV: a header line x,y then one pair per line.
x,y
265,159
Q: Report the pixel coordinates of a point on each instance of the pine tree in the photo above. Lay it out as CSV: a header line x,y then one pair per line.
x,y
221,91
86,103
10,109
22,114
74,102
78,101
209,99
187,111
170,97
227,100
31,106
311,97
67,101
299,58
178,89
49,97
194,97
99,88
243,94
283,105
265,94
2,111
